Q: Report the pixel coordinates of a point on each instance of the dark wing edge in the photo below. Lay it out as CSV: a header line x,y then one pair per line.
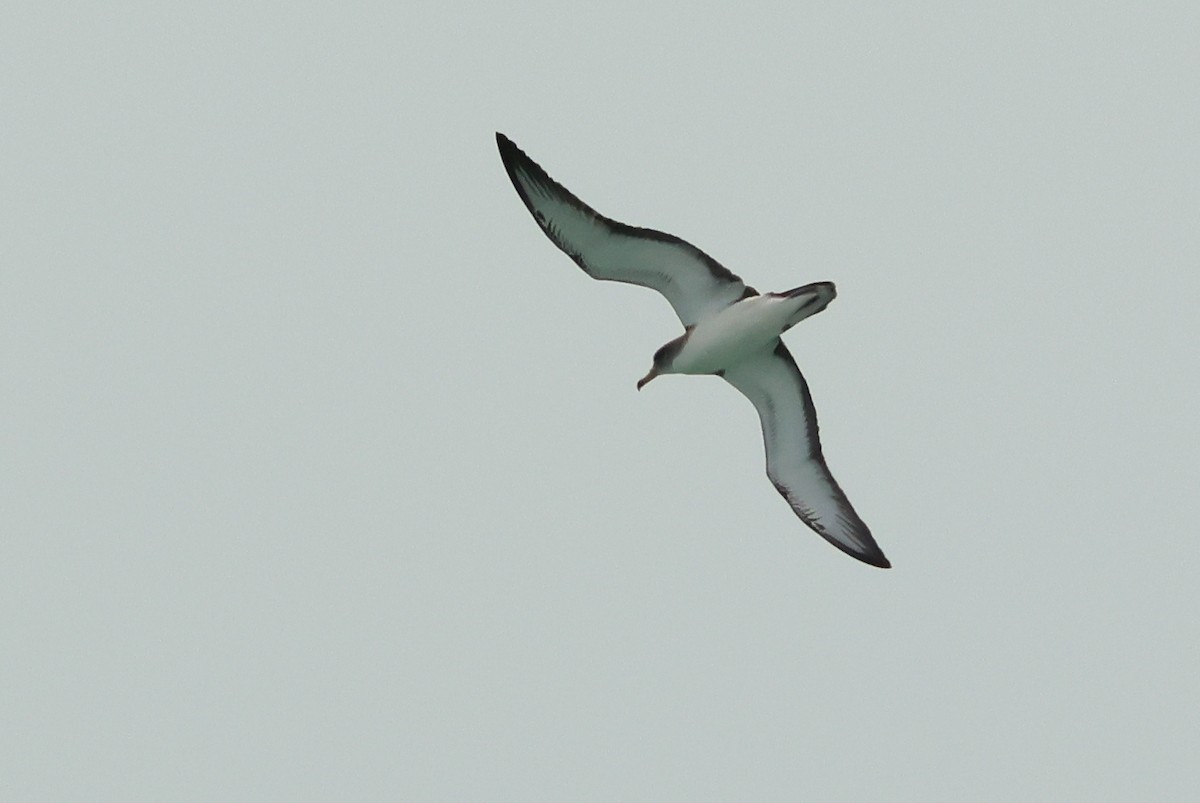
x,y
515,160
828,513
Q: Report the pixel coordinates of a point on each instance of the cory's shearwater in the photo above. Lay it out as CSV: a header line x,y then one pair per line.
x,y
729,330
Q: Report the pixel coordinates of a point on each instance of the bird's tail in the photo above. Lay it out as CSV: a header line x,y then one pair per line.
x,y
808,300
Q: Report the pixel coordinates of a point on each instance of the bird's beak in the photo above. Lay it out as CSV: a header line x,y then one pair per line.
x,y
653,373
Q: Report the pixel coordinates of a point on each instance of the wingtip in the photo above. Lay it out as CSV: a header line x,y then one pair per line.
x,y
862,548
869,554
506,145
514,159
879,561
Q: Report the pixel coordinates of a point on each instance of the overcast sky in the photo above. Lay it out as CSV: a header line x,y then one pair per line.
x,y
325,477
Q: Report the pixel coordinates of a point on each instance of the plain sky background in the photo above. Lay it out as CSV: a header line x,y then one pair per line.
x,y
325,477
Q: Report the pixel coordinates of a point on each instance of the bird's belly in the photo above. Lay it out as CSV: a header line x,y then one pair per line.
x,y
726,339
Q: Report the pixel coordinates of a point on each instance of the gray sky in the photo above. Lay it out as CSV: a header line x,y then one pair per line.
x,y
326,478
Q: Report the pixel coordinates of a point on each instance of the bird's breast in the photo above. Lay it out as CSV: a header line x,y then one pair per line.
x,y
738,331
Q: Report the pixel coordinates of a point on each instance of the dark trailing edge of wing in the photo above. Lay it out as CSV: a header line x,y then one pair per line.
x,y
869,552
810,411
514,158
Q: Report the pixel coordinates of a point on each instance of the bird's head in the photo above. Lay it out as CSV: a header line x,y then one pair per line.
x,y
664,359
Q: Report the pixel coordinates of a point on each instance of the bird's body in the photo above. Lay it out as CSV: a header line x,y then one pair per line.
x,y
730,330
746,328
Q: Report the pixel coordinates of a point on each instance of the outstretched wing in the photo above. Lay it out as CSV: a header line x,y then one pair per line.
x,y
695,283
795,464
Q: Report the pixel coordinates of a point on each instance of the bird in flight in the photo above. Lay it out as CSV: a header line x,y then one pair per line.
x,y
729,330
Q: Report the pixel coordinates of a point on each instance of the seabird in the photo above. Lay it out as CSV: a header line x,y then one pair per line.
x,y
729,330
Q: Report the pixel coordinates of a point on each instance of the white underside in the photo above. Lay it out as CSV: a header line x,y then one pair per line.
x,y
742,330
